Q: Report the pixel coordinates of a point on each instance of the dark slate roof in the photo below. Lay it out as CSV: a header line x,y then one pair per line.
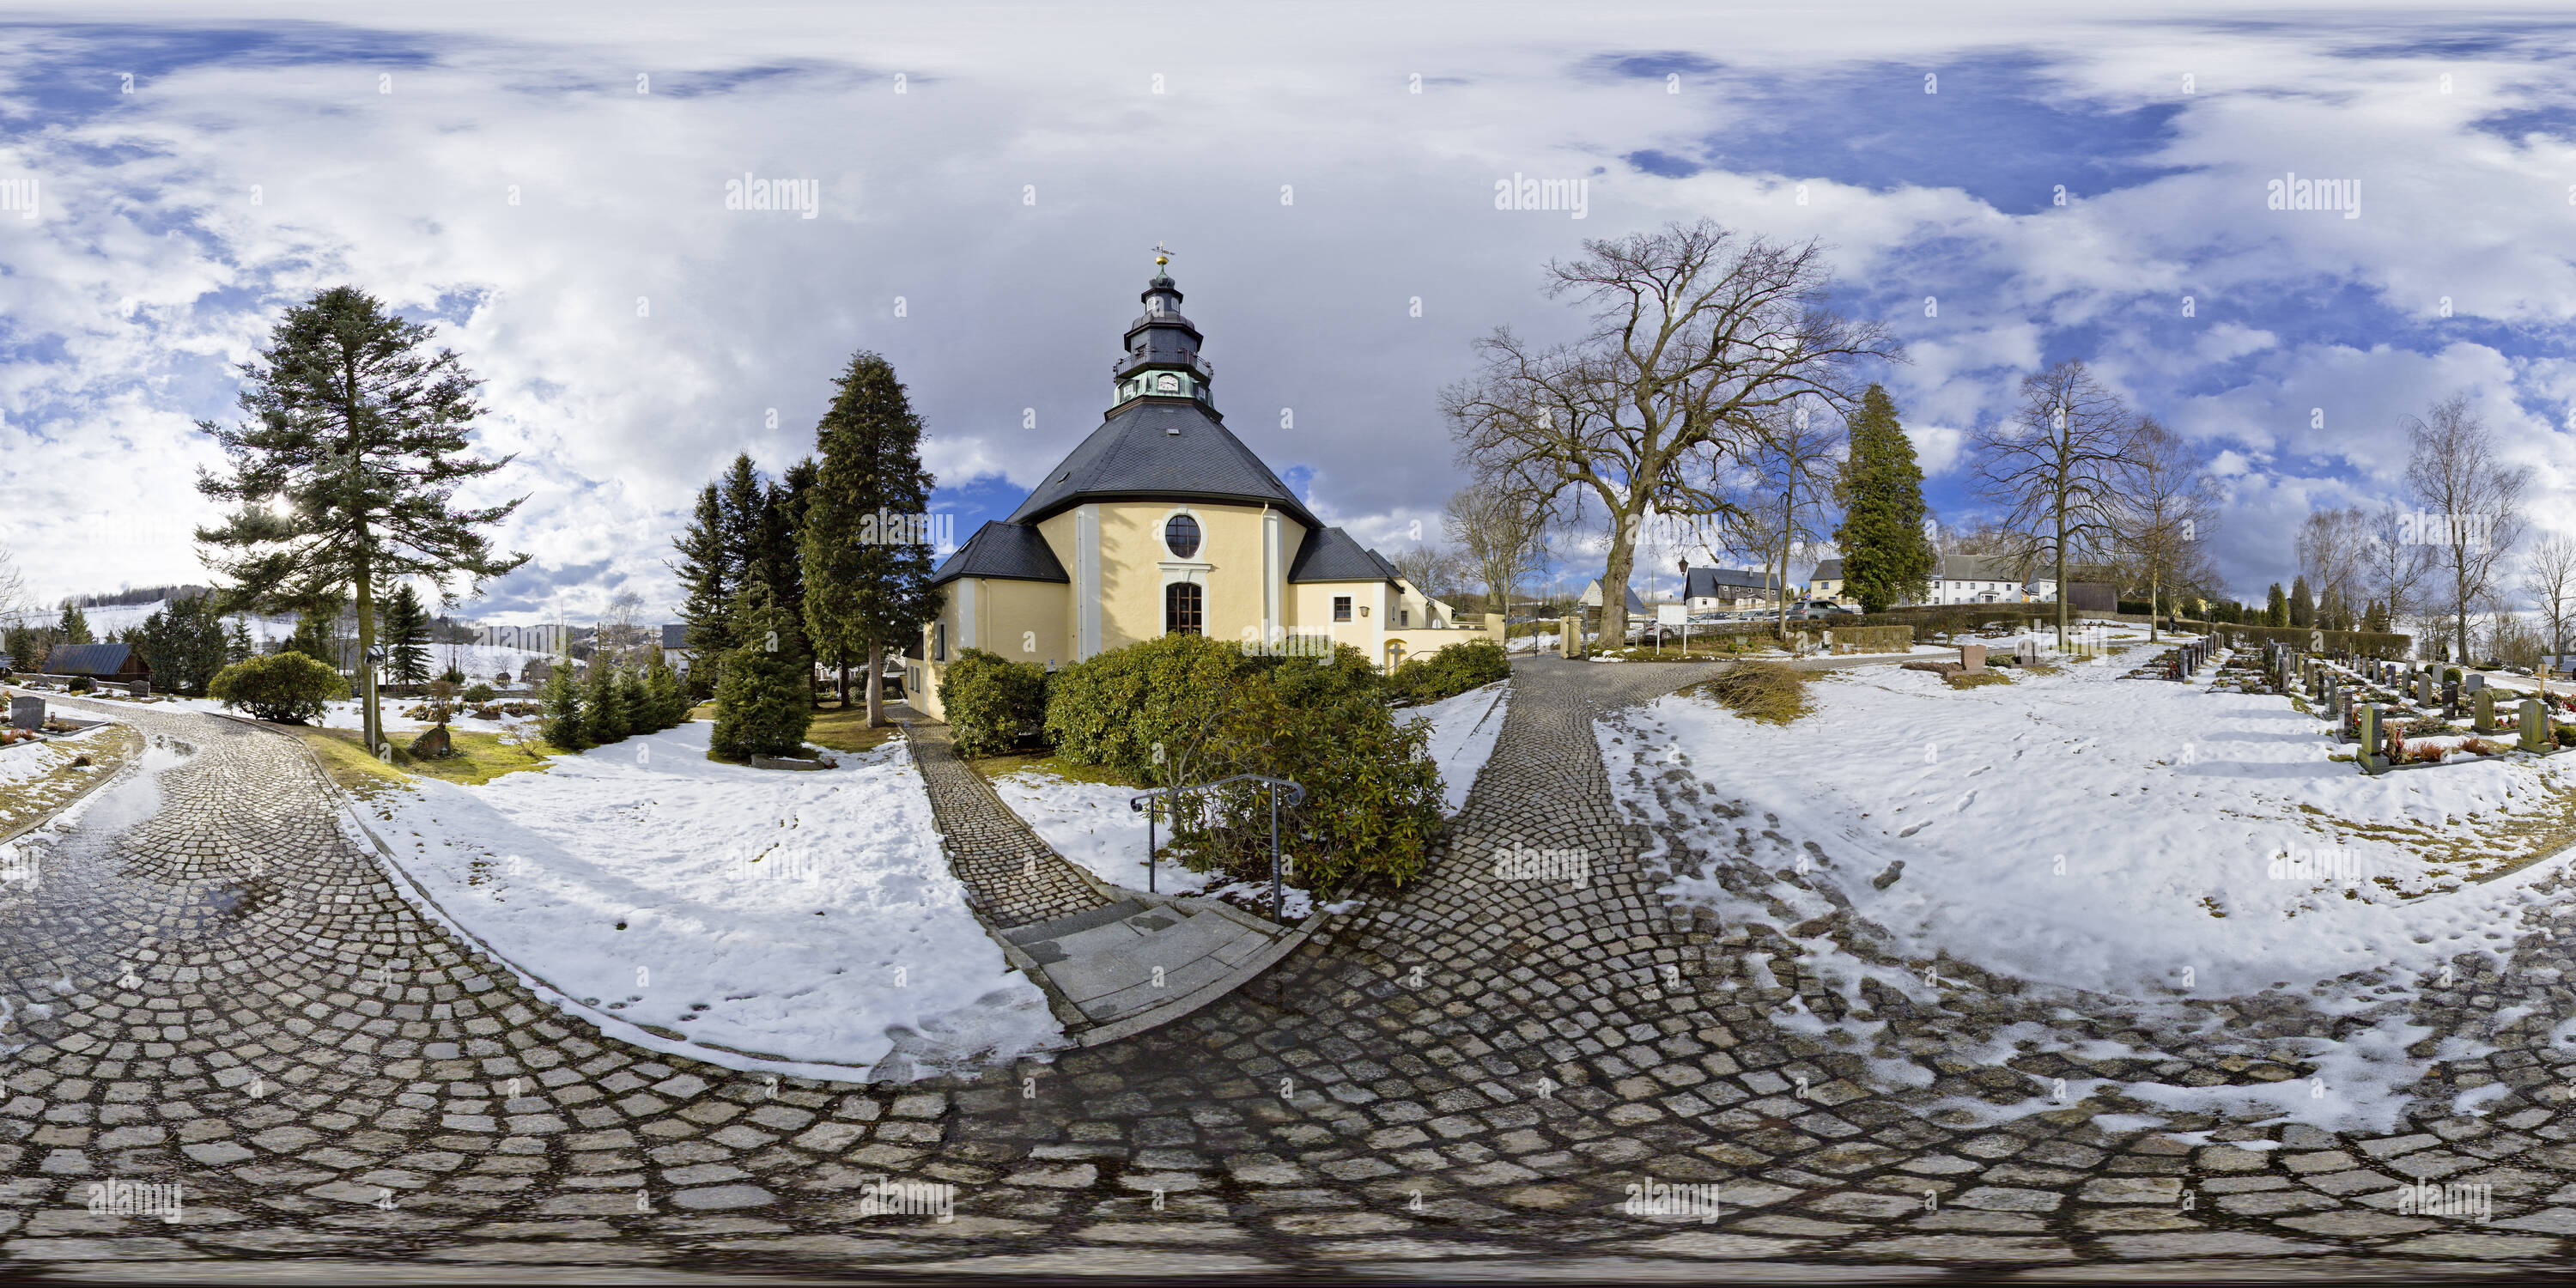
x,y
88,659
1703,583
1829,570
1329,554
1135,454
675,636
1010,551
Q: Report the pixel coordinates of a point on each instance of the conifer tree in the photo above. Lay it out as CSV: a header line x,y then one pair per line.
x,y
75,625
638,712
237,645
406,636
1886,557
774,562
706,572
867,590
2303,607
2276,610
664,697
762,701
360,435
603,708
562,720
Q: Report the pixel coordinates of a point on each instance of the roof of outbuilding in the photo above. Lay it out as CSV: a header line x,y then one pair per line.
x,y
90,659
1007,551
1329,554
1160,448
1702,583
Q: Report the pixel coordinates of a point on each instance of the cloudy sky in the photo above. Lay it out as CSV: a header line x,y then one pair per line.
x,y
2005,186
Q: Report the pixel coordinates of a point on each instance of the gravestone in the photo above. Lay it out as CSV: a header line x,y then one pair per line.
x,y
139,689
2450,698
2482,703
1569,636
1972,658
2476,681
2535,727
2371,755
2423,688
26,713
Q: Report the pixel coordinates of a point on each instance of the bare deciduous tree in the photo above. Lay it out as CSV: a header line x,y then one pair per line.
x,y
1791,466
2167,511
1501,533
2550,579
1699,331
2057,469
621,636
2470,507
1432,570
2333,550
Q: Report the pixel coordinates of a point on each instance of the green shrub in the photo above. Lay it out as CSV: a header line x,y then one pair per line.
x,y
990,701
479,694
1117,707
80,684
290,688
604,717
1451,671
664,697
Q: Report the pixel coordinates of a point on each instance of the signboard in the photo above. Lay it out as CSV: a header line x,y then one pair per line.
x,y
1672,614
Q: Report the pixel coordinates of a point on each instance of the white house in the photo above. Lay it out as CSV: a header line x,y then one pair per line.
x,y
1959,579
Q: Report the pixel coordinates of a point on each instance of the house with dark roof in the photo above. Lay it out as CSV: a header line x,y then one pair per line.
x,y
1161,521
1713,589
98,661
1956,579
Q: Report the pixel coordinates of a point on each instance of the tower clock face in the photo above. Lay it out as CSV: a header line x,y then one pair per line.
x,y
1167,383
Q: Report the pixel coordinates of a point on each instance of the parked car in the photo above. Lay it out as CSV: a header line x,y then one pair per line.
x,y
1818,610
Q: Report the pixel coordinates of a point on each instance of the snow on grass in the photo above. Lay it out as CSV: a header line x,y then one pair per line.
x,y
1463,729
2115,835
805,916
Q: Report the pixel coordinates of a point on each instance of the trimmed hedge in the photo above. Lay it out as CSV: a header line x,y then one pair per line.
x,y
991,702
2379,644
289,688
1449,672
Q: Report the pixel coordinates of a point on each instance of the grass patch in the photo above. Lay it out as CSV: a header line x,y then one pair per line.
x,y
479,758
25,801
842,730
1765,691
996,766
1965,680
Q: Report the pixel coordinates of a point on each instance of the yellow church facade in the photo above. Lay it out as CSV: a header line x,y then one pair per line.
x,y
1163,522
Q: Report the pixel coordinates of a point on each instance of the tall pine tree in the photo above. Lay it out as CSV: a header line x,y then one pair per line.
x,y
865,594
2276,611
75,625
707,575
359,434
775,563
1886,557
2303,608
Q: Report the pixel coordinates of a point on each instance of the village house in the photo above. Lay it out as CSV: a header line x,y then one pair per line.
x,y
1958,579
1163,522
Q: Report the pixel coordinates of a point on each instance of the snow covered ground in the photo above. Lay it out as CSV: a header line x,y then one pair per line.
x,y
2114,834
2138,838
806,916
1463,729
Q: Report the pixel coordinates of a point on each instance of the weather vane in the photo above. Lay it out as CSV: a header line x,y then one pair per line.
x,y
1161,256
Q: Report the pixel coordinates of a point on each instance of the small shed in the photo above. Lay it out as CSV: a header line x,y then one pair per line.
x,y
98,661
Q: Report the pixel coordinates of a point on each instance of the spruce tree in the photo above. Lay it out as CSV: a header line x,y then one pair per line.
x,y
706,573
561,722
664,697
2303,607
1886,557
358,435
237,645
184,645
406,636
632,705
603,710
763,704
75,625
2276,611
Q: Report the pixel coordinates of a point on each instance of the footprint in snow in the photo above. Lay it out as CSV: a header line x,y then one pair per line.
x,y
1964,803
1916,828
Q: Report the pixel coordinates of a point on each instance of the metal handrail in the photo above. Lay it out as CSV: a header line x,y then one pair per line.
x,y
1144,802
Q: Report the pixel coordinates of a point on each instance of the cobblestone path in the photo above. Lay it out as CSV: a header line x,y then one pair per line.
x,y
1012,877
1475,1067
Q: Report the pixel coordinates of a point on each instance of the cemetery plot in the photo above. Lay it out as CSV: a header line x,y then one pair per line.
x,y
2074,829
799,917
42,771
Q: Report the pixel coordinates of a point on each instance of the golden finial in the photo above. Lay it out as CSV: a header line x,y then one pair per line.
x,y
1161,256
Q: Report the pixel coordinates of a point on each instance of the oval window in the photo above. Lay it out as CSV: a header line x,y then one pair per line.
x,y
1182,536
1167,383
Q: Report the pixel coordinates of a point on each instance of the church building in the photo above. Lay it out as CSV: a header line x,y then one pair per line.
x,y
1163,522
